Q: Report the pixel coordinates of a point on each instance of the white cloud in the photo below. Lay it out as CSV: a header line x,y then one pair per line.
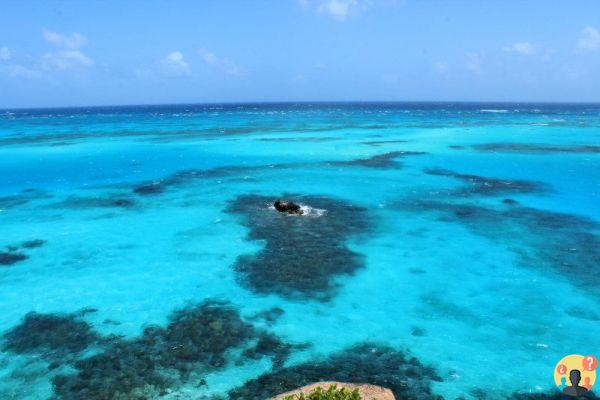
x,y
223,64
337,9
73,41
69,56
66,59
589,40
175,63
524,48
4,53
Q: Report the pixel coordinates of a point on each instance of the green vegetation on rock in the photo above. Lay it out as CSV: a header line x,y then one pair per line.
x,y
332,393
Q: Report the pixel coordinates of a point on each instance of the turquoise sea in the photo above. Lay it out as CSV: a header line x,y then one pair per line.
x,y
451,249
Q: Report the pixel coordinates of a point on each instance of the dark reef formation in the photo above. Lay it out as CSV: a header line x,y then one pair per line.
x,y
271,346
367,362
566,243
380,161
302,256
53,336
380,142
314,139
485,186
33,244
23,197
197,340
14,253
11,257
160,186
531,148
269,316
110,201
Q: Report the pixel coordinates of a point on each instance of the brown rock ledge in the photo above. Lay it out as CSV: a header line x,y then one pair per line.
x,y
366,391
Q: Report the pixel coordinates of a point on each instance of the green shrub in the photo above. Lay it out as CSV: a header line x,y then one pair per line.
x,y
332,393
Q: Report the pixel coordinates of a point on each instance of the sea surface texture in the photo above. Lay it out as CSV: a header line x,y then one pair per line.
x,y
447,250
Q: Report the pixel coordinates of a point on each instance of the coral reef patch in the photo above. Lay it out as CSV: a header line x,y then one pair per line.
x,y
14,253
109,201
197,340
179,178
566,243
531,148
33,244
380,161
23,197
302,254
8,258
366,362
485,186
52,336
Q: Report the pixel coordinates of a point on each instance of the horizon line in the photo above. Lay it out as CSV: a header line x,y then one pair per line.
x,y
307,102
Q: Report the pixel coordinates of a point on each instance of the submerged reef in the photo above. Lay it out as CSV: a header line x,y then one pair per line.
x,y
532,148
179,178
485,186
11,257
380,161
110,201
269,316
303,254
197,340
300,139
566,243
53,336
271,346
23,197
33,244
380,142
363,363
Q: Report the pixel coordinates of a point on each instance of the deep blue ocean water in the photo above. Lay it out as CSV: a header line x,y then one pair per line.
x,y
140,257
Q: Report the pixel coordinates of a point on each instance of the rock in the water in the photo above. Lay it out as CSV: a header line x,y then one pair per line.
x,y
289,207
366,391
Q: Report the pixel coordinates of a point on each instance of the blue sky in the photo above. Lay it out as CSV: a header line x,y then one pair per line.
x,y
66,53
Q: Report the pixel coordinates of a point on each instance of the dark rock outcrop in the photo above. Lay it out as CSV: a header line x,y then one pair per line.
x,y
289,207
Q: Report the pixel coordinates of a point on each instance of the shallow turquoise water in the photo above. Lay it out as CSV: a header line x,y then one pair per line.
x,y
489,293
